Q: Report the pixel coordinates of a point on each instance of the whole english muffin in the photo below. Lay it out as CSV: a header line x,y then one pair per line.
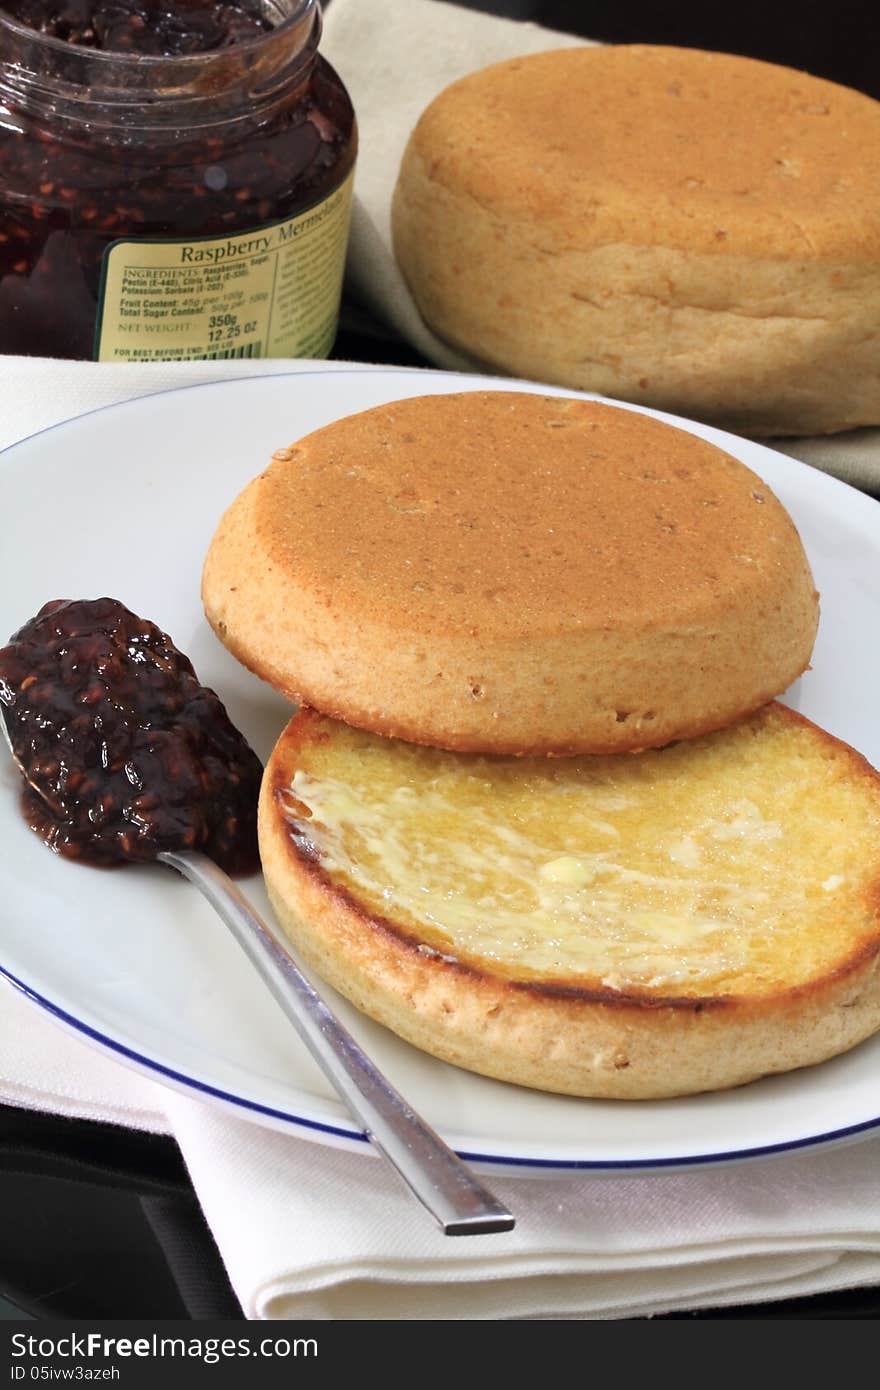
x,y
673,921
513,573
690,230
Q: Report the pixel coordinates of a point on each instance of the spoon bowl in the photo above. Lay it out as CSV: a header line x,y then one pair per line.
x,y
443,1183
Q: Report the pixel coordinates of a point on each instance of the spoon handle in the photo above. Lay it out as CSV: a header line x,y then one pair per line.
x,y
437,1176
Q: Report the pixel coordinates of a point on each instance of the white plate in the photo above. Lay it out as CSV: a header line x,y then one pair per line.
x,y
124,502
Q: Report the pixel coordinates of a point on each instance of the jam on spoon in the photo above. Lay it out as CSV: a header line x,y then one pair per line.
x,y
126,757
124,753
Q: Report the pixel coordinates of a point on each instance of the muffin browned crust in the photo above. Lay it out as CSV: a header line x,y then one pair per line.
x,y
695,231
772,827
513,573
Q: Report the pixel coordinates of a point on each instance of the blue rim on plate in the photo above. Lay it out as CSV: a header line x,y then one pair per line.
x,y
504,1160
351,1134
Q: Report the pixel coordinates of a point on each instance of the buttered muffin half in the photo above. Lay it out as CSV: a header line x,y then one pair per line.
x,y
651,925
690,230
513,573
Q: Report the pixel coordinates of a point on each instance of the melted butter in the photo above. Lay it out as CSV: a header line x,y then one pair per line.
x,y
654,870
686,851
568,869
744,820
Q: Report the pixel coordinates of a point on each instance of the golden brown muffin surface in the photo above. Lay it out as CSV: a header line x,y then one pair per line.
x,y
673,921
509,572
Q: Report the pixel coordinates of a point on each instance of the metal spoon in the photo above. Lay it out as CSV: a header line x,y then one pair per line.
x,y
439,1178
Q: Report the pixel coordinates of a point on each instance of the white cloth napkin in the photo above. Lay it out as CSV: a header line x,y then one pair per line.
x,y
311,1232
307,1231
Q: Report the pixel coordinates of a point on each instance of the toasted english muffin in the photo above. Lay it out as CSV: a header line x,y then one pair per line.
x,y
636,926
690,230
513,573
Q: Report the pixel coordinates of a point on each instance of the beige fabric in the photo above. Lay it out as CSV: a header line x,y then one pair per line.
x,y
854,456
395,56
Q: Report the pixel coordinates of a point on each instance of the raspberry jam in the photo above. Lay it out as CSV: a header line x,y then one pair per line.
x,y
160,30
174,179
124,752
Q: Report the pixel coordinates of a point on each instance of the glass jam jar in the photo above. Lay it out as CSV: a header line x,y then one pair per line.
x,y
158,202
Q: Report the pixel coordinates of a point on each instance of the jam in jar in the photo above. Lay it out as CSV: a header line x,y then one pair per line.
x,y
175,179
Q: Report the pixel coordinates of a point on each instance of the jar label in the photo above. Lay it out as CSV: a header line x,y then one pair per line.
x,y
270,292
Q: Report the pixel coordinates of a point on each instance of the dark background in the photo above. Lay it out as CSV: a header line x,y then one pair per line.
x,y
838,39
97,1222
